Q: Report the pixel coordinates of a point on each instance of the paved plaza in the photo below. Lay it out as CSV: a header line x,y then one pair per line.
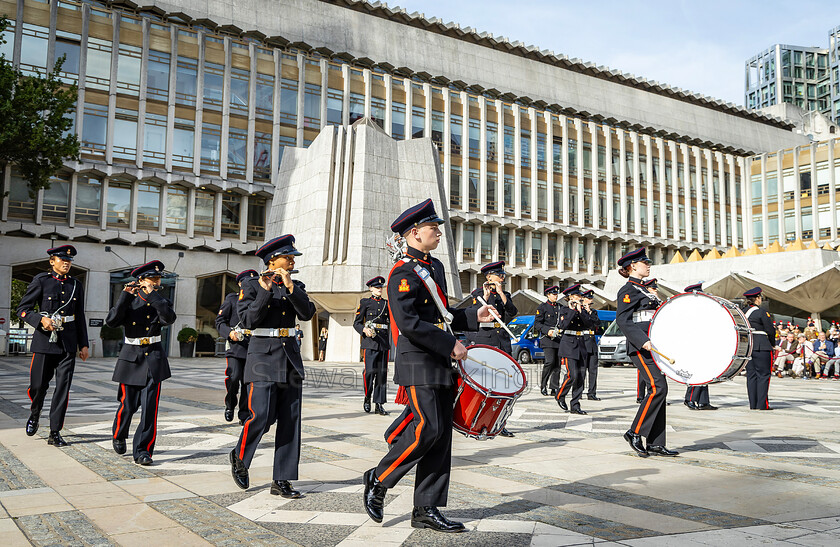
x,y
744,477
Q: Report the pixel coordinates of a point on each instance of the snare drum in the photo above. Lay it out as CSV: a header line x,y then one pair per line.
x,y
708,338
490,383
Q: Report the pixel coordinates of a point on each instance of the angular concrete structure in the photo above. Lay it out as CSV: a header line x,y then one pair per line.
x,y
339,197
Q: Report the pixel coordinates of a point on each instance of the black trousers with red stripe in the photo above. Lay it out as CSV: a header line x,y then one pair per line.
x,y
697,394
550,377
392,434
575,376
426,442
235,388
41,370
131,398
592,368
376,375
758,379
269,403
650,419
641,387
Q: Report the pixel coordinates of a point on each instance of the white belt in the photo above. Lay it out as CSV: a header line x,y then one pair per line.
x,y
142,341
273,333
490,325
68,318
575,332
643,316
759,332
378,325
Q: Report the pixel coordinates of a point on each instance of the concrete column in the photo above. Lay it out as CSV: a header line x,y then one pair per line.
x,y
780,189
6,301
132,219
199,105
6,176
565,158
590,256
427,116
217,213
389,103
447,145
733,201
301,63
185,304
605,266
366,74
325,83
698,163
170,102
74,190
721,204
710,169
529,241
535,183
649,196
112,89
581,179
243,219
482,153
797,197
686,190
575,254
622,177
409,108
765,221
561,252
832,187
544,252
191,213
746,199
224,142
39,206
596,193
815,215
343,343
162,204
608,172
465,145
663,190
494,238
250,144
517,162
675,191
637,197
345,95
459,241
549,165
500,158
103,205
141,105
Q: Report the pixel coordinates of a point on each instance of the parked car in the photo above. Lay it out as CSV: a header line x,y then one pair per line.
x,y
527,347
612,348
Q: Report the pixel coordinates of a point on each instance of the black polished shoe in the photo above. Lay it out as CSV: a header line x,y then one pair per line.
x,y
241,421
563,404
706,407
430,517
553,393
544,391
692,405
32,425
239,471
380,410
284,489
661,451
119,446
366,406
593,397
638,400
55,439
636,443
505,433
374,496
228,414
577,411
143,459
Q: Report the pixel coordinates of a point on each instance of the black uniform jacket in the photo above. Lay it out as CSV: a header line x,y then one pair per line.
x,y
633,297
589,339
50,292
226,321
141,316
376,311
760,320
506,312
268,357
548,318
422,348
572,345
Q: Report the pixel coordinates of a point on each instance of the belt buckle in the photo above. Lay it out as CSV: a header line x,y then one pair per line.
x,y
281,333
145,341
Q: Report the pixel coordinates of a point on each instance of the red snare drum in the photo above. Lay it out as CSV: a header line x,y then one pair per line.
x,y
490,383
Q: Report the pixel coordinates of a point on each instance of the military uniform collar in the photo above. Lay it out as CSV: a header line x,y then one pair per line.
x,y
419,255
635,281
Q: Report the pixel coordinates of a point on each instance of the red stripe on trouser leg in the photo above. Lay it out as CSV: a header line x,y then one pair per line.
x,y
417,431
649,396
364,372
566,380
151,444
120,411
400,427
247,423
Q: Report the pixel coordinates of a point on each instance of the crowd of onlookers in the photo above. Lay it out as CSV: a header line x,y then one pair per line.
x,y
807,352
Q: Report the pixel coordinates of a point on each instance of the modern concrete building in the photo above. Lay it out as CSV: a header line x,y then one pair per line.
x,y
553,164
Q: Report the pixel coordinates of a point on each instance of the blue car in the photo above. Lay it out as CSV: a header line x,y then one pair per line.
x,y
527,349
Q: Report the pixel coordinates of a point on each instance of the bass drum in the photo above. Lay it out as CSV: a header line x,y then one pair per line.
x,y
708,338
490,383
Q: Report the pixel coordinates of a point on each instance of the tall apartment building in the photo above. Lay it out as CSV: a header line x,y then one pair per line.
x,y
553,164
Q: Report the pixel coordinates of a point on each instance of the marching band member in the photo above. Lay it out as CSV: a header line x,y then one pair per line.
x,y
418,305
764,340
576,320
652,285
591,365
228,326
635,308
268,307
493,293
142,364
373,323
546,319
60,332
697,397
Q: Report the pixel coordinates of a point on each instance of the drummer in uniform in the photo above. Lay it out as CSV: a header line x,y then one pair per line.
x,y
372,323
229,328
545,320
652,285
697,397
635,307
142,365
493,333
425,349
589,341
54,305
576,321
269,307
764,340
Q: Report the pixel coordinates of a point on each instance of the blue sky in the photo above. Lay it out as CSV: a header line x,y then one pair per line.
x,y
700,45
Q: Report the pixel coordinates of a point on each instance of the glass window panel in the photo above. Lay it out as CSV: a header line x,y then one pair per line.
x,y
262,156
186,81
455,187
125,134
176,209
418,121
377,111
56,199
154,138
398,120
239,91
357,106
211,136
33,48
312,106
492,140
213,85
119,204
205,208
183,141
334,106
98,67
237,151
157,75
7,41
95,127
148,206
256,218
88,200
68,46
128,69
20,203
231,206
264,106
288,101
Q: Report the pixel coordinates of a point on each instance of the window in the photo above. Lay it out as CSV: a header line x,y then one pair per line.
x,y
157,76
176,209
205,207
456,133
455,187
7,40
186,80
525,196
154,138
213,85
288,101
98,70
509,205
262,156
536,250
21,205
492,180
519,247
237,151
256,218
473,189
95,129
525,147
469,241
125,134
486,244
211,136
67,45
264,107
56,198
312,106
148,206
418,122
239,84
183,142
88,200
128,69
119,204
33,49
475,138
504,243
231,206
334,106
492,140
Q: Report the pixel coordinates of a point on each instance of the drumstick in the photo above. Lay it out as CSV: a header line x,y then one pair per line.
x,y
495,314
482,363
670,361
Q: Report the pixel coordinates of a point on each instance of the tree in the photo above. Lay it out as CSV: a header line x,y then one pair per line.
x,y
35,133
18,290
